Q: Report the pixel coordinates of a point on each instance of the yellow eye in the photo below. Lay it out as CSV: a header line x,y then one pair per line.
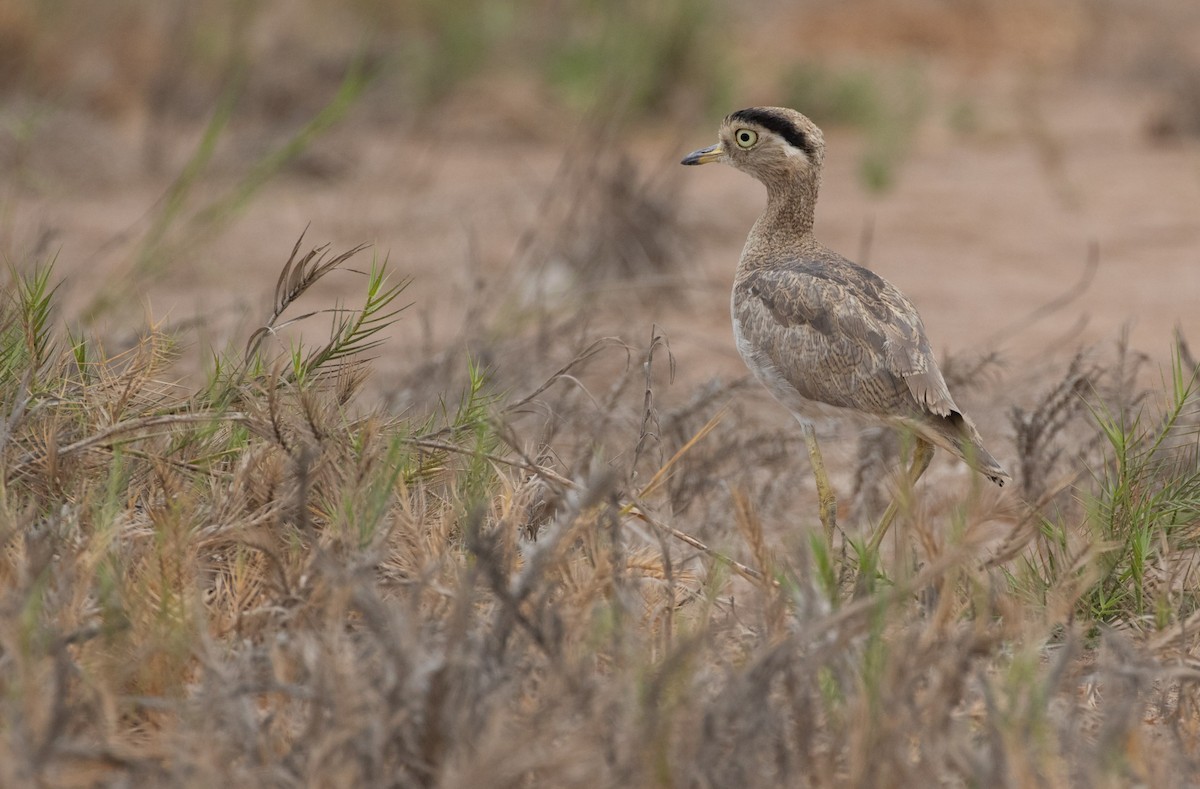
x,y
745,138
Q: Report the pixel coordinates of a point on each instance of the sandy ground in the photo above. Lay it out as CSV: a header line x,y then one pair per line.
x,y
981,230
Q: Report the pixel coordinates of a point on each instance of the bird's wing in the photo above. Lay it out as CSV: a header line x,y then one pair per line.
x,y
842,335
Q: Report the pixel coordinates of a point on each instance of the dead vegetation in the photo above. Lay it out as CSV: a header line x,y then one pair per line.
x,y
262,583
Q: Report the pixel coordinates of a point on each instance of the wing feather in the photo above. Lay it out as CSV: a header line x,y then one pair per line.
x,y
824,330
842,335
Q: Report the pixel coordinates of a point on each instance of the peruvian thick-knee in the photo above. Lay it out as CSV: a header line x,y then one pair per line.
x,y
827,337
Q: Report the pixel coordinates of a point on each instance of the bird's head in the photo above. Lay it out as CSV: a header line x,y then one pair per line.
x,y
776,145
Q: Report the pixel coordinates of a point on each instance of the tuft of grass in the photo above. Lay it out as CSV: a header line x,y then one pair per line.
x,y
1147,507
26,341
1124,554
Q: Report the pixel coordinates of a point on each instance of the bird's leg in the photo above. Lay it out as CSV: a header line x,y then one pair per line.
x,y
922,454
825,498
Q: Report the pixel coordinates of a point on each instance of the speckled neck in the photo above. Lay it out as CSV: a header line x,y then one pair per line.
x,y
787,222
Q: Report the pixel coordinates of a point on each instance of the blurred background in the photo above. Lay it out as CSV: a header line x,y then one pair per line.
x,y
1027,171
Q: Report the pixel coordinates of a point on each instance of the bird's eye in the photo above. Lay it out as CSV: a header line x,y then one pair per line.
x,y
745,137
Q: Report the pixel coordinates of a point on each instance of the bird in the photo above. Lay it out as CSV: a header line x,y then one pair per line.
x,y
827,337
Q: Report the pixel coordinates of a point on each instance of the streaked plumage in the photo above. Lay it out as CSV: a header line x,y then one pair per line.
x,y
827,337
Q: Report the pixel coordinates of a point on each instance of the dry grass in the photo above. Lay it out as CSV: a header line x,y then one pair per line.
x,y
265,583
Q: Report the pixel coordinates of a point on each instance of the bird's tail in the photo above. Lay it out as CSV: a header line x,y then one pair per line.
x,y
956,433
982,461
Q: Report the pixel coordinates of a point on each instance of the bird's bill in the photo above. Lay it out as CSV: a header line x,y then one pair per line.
x,y
712,153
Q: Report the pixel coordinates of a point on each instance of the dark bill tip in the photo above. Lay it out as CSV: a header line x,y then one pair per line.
x,y
703,156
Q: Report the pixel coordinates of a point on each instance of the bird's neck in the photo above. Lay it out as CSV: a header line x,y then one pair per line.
x,y
788,217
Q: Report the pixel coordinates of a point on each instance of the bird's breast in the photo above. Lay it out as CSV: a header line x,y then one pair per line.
x,y
767,373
